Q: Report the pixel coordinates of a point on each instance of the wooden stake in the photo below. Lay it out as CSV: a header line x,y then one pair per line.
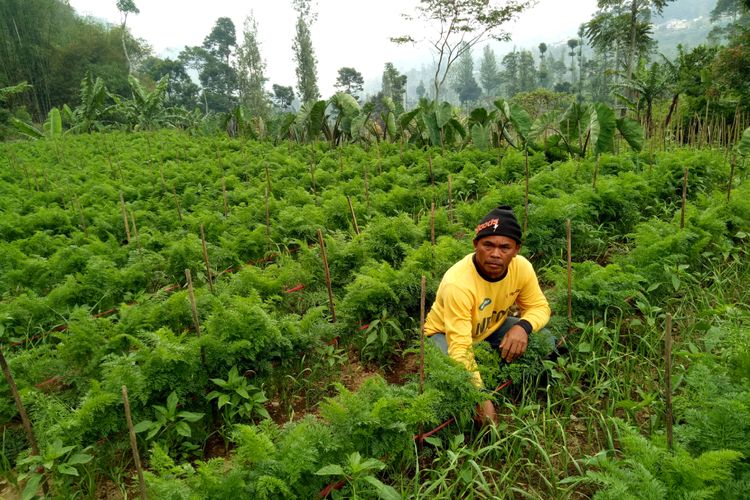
x,y
177,202
19,404
193,307
380,161
596,172
163,181
133,442
421,332
354,216
135,231
570,275
341,162
684,198
312,178
206,261
268,217
327,274
77,204
668,379
225,196
432,224
125,217
731,177
268,178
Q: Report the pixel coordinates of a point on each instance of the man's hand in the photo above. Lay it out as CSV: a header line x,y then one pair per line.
x,y
514,344
486,413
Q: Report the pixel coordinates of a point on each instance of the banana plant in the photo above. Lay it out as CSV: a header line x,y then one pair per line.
x,y
481,126
146,110
432,124
309,121
51,129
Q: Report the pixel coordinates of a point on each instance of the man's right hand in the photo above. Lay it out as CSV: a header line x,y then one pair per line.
x,y
486,413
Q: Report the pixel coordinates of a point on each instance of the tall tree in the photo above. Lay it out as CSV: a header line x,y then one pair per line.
x,y
489,74
251,70
510,74
543,72
181,90
350,81
462,25
572,44
304,55
421,90
527,76
394,85
221,40
126,7
283,97
464,83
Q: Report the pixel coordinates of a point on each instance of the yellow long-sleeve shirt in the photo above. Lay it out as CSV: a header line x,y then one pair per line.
x,y
468,308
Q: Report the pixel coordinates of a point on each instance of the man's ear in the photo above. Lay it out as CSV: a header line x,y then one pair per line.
x,y
475,243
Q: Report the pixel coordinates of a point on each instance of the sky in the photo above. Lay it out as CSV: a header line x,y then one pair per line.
x,y
354,33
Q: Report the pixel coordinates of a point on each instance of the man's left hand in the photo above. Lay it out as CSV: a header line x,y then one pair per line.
x,y
514,344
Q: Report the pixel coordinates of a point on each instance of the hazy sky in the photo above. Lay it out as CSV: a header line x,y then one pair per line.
x,y
347,33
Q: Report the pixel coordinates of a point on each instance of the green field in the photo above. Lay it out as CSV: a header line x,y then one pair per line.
x,y
264,395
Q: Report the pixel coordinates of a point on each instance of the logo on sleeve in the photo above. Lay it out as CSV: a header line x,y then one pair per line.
x,y
484,304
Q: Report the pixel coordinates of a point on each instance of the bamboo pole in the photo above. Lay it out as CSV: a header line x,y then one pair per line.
x,y
268,178
668,379
225,196
327,275
81,215
731,177
380,161
193,307
684,198
135,232
354,216
206,261
432,224
125,217
422,295
177,202
596,172
133,442
19,404
312,178
570,275
268,216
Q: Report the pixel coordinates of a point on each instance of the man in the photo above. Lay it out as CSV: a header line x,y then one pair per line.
x,y
476,294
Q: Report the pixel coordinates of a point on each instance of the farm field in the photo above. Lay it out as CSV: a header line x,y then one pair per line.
x,y
190,270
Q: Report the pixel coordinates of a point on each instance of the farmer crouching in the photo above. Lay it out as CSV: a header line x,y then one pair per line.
x,y
476,294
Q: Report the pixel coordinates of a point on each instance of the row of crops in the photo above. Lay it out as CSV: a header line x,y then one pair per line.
x,y
243,382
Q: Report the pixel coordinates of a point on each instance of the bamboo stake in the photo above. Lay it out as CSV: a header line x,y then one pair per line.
x,y
135,232
668,379
354,216
684,198
19,404
206,261
133,442
596,172
421,348
731,177
193,307
268,178
177,202
380,161
341,162
570,275
312,178
125,217
225,196
432,224
327,274
268,217
77,204
161,177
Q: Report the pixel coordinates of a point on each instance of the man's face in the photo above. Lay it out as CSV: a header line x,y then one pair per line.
x,y
494,253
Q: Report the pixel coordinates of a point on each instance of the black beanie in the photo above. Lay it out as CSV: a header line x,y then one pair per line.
x,y
501,221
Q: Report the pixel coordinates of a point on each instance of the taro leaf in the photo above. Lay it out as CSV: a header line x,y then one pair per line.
x,y
390,125
632,132
743,147
479,116
432,128
480,136
330,470
443,114
602,125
